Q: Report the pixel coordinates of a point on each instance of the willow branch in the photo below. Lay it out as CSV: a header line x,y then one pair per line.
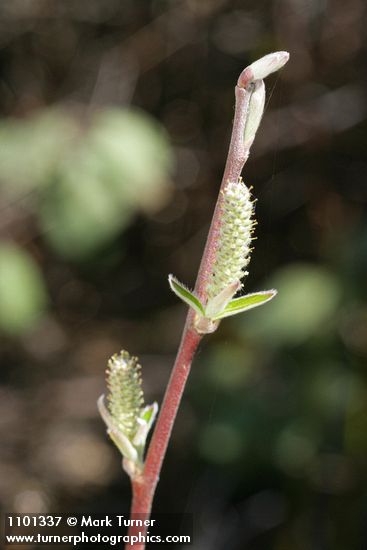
x,y
250,96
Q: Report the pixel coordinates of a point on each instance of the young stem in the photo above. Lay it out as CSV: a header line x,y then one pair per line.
x,y
236,158
143,487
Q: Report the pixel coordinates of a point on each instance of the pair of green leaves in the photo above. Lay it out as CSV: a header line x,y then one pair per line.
x,y
223,305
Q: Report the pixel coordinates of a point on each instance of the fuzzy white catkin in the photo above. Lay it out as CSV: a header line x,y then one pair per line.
x,y
125,398
235,236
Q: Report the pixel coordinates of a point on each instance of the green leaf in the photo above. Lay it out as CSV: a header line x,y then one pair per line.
x,y
121,441
149,413
185,295
124,445
147,417
216,305
249,301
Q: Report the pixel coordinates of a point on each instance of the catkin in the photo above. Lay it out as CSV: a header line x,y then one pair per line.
x,y
125,398
235,236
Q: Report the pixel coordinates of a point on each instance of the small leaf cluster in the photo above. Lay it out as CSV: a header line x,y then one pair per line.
x,y
232,255
232,307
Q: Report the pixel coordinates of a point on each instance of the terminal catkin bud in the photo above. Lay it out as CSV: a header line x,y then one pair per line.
x,y
125,398
233,247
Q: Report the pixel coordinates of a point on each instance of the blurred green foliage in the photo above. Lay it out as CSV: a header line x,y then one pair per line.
x,y
23,295
86,180
307,302
92,176
119,167
32,147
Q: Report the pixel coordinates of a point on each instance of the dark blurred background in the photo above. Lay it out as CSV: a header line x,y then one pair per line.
x,y
116,118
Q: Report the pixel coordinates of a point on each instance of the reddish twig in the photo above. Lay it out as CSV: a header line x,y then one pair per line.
x,y
143,486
